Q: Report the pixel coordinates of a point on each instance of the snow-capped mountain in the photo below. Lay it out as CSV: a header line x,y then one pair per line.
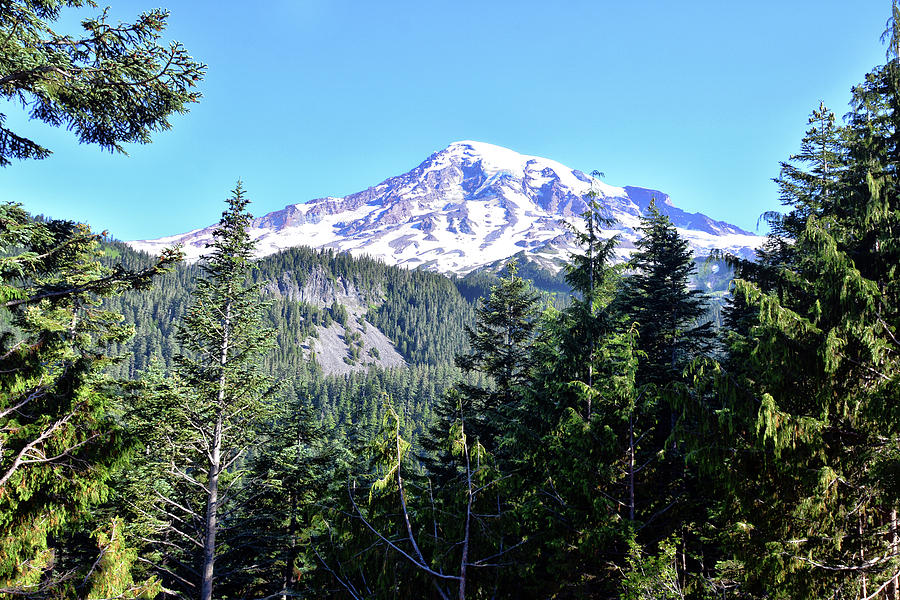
x,y
466,206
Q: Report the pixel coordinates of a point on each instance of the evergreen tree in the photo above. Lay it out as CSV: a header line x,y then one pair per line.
x,y
411,540
474,420
208,413
657,297
500,345
60,444
665,496
571,438
111,85
593,282
807,397
289,478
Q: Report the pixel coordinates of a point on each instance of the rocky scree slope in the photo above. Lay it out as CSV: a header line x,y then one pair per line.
x,y
348,343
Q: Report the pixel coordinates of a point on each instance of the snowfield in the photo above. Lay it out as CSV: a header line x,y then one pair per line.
x,y
467,206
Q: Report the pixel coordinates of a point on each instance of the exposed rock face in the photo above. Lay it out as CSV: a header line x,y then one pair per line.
x,y
331,349
317,289
466,206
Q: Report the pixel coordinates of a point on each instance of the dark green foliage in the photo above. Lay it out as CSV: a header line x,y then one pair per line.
x,y
568,442
60,444
608,448
424,315
421,312
465,449
289,477
806,399
500,349
112,84
667,499
339,313
210,411
478,283
656,296
543,279
342,401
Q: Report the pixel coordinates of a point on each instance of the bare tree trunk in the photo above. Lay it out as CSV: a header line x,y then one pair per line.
x,y
894,589
862,556
215,464
463,562
631,466
590,380
211,524
409,530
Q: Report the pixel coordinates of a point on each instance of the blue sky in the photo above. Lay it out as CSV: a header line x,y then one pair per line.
x,y
310,98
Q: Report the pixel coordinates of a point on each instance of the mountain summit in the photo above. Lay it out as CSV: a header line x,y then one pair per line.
x,y
467,206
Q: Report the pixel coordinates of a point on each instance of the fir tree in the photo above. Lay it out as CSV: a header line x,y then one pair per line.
x,y
593,281
208,413
500,345
289,479
807,397
571,439
657,297
665,496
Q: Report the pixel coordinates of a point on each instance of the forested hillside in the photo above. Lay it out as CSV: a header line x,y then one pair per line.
x,y
423,314
632,431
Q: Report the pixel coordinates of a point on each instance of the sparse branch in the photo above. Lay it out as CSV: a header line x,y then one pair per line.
x,y
35,443
419,565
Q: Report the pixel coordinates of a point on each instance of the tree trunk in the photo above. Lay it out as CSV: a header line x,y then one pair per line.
x,y
464,560
862,557
215,464
894,588
631,466
292,550
212,500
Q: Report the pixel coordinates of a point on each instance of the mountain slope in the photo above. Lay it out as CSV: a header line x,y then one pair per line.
x,y
347,313
467,206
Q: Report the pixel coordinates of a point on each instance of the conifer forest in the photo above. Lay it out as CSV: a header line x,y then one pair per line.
x,y
611,431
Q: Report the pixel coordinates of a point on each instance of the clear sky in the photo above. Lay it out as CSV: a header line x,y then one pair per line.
x,y
311,98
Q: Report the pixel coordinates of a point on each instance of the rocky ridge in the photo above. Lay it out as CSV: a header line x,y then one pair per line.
x,y
355,345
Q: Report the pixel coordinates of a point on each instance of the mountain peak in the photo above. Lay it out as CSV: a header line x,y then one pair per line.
x,y
466,206
496,159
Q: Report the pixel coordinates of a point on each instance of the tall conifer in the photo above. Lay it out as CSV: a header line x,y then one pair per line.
x,y
60,444
208,412
657,296
807,397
